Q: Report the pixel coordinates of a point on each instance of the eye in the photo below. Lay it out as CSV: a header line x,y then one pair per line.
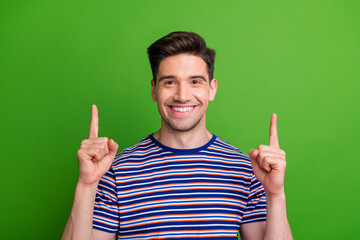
x,y
195,82
169,83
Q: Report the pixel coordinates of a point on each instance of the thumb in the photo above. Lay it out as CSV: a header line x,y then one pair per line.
x,y
253,154
113,147
259,173
106,162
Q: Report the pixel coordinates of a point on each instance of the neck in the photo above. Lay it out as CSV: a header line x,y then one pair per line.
x,y
193,138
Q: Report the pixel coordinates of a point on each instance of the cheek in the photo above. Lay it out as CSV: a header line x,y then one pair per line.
x,y
203,95
162,96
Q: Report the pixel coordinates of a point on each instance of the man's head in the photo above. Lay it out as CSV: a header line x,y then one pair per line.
x,y
177,43
183,83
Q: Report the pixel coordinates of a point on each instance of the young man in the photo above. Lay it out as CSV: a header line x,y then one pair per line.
x,y
181,182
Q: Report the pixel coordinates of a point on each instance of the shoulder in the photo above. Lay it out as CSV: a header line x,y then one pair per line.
x,y
143,147
228,154
223,146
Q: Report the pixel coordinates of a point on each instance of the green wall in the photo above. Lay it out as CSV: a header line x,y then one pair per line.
x,y
300,59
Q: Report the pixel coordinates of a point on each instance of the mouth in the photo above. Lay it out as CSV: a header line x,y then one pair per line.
x,y
182,109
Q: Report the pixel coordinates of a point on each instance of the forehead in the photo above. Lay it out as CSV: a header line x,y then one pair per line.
x,y
182,65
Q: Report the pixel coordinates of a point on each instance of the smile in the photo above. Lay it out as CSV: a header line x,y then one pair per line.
x,y
182,109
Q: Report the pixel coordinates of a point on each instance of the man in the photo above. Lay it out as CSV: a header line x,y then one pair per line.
x,y
182,181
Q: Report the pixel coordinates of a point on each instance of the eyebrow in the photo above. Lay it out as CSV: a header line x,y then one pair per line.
x,y
166,77
173,77
199,76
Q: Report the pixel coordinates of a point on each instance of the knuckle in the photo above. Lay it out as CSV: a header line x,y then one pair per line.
x,y
283,164
281,160
106,147
98,150
261,147
262,155
80,154
264,163
103,147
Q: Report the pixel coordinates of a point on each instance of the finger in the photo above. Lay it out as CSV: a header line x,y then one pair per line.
x,y
94,124
271,154
273,136
264,163
109,158
96,154
269,163
258,171
113,147
253,153
268,148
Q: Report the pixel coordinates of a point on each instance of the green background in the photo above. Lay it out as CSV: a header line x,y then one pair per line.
x,y
299,59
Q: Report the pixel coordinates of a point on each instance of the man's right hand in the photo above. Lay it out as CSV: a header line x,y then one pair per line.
x,y
95,154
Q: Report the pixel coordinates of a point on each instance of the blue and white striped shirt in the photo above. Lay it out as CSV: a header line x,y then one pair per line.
x,y
155,192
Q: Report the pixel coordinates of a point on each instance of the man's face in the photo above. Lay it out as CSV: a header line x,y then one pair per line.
x,y
182,92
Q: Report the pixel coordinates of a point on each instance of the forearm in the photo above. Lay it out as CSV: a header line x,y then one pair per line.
x,y
277,224
80,222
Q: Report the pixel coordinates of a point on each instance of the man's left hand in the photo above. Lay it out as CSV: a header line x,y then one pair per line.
x,y
269,162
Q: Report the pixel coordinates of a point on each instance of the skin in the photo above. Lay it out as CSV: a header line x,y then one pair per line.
x,y
182,82
269,163
95,157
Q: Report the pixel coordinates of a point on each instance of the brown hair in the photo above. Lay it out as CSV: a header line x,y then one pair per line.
x,y
180,42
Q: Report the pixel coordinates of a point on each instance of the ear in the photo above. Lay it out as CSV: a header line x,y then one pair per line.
x,y
153,95
213,89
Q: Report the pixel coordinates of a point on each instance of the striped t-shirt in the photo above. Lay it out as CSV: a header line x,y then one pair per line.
x,y
155,192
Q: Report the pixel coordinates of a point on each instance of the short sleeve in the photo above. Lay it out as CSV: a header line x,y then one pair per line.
x,y
106,211
256,205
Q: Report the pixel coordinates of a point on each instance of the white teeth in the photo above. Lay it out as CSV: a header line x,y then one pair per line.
x,y
182,109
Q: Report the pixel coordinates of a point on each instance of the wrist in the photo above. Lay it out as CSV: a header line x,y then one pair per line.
x,y
275,197
86,187
85,193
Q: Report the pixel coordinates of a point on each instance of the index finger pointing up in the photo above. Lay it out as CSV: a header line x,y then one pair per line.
x,y
94,124
273,136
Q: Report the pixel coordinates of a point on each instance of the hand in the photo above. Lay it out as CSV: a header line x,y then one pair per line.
x,y
269,162
95,154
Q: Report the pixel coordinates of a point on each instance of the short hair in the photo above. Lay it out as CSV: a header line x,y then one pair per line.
x,y
180,42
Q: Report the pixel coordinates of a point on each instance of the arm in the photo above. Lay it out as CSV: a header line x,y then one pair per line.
x,y
95,157
269,163
79,225
276,225
252,231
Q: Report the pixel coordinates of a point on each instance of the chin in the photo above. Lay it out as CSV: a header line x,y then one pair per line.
x,y
182,127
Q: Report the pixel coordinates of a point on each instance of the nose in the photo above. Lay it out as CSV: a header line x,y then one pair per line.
x,y
182,93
